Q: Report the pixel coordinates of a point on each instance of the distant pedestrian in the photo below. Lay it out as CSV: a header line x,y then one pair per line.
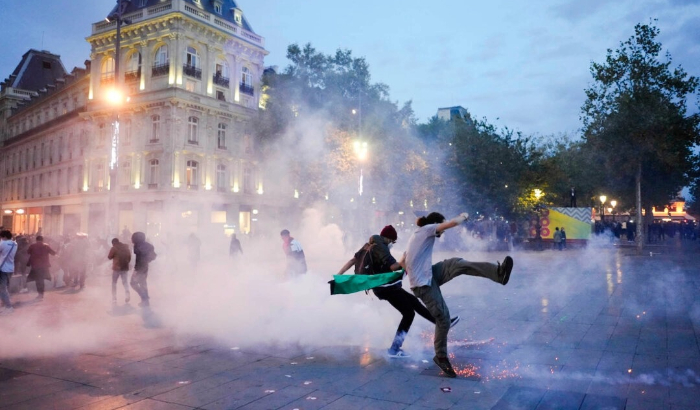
x,y
145,254
8,251
21,259
75,260
296,260
39,262
563,237
120,255
557,238
234,248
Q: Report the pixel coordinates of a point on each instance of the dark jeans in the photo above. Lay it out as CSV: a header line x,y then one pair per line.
x,y
40,275
407,304
140,285
4,288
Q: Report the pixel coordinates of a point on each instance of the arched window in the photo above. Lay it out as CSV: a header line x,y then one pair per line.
x,y
221,74
192,130
221,178
247,180
246,86
125,174
192,175
153,168
102,134
133,67
221,136
107,70
191,57
155,128
161,61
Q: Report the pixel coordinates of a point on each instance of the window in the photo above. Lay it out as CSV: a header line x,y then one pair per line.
x,y
125,174
58,182
133,67
247,145
155,128
26,187
42,153
51,152
192,126
126,140
153,173
191,67
34,158
80,178
161,62
107,70
192,175
99,177
221,76
217,8
220,95
60,148
190,86
69,179
246,86
41,185
221,136
101,134
221,178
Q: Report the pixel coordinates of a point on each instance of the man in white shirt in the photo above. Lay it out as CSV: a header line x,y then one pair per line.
x,y
426,278
8,250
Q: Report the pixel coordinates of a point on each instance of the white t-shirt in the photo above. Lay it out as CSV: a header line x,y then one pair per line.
x,y
419,256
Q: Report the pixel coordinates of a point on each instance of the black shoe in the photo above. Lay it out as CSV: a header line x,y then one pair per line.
x,y
454,321
504,270
444,365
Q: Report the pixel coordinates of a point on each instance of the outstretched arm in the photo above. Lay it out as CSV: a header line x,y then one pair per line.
x,y
347,266
452,222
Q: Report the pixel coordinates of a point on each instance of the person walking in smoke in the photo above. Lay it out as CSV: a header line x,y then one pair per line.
x,y
75,264
375,257
8,251
39,262
296,261
21,259
563,238
557,238
426,278
120,255
144,255
234,248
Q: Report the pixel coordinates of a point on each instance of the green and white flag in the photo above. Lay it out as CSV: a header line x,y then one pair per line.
x,y
346,284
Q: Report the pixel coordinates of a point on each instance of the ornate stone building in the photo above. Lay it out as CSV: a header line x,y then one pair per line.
x,y
185,157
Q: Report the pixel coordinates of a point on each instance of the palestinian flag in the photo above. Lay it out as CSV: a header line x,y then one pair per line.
x,y
346,284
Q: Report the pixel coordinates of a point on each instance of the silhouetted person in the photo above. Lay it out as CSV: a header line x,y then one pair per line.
x,y
120,255
234,248
75,259
39,262
145,254
296,261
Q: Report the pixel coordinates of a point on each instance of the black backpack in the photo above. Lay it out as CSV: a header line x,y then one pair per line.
x,y
364,263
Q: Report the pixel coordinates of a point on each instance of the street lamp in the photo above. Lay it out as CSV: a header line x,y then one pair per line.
x,y
602,198
612,210
116,98
360,148
538,226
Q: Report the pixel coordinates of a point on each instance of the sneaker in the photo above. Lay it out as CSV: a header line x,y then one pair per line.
x,y
504,270
25,290
444,365
398,354
6,310
454,321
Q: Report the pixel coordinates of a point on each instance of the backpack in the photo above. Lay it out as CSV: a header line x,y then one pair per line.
x,y
364,263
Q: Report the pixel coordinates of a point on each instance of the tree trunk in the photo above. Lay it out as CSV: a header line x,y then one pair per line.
x,y
640,227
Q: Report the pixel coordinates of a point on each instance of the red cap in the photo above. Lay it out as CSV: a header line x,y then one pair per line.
x,y
389,232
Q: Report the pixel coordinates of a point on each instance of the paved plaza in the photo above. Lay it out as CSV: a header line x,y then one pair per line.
x,y
599,328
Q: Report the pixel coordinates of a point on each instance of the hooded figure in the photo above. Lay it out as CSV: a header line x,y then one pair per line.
x,y
144,253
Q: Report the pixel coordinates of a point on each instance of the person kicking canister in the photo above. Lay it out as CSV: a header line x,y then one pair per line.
x,y
426,278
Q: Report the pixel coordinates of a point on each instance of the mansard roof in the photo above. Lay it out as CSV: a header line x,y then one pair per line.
x,y
227,7
36,70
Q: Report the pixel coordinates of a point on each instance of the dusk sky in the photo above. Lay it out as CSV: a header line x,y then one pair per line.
x,y
524,65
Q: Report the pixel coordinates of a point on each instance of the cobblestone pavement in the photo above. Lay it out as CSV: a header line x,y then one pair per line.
x,y
579,329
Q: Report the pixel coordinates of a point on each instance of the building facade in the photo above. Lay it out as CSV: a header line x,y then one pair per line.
x,y
175,154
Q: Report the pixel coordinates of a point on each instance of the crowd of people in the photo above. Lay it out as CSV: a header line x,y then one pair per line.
x,y
65,261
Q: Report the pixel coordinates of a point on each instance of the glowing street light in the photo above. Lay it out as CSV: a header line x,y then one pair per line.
x,y
602,198
360,148
612,210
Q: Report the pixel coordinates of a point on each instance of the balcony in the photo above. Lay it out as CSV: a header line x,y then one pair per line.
x,y
160,69
107,79
192,71
220,80
246,89
132,76
152,186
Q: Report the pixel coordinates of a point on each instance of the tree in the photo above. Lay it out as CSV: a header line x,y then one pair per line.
x,y
635,119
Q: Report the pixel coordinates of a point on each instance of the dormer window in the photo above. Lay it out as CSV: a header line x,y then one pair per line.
x,y
237,15
217,8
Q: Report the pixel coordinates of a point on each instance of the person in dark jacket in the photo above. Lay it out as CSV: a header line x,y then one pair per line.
x,y
144,253
120,255
296,260
39,262
234,248
382,262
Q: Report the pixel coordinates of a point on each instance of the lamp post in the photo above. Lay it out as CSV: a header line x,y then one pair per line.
x,y
613,203
116,98
360,148
538,226
602,198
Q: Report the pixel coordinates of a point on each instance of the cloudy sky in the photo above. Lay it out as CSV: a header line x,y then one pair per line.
x,y
523,65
